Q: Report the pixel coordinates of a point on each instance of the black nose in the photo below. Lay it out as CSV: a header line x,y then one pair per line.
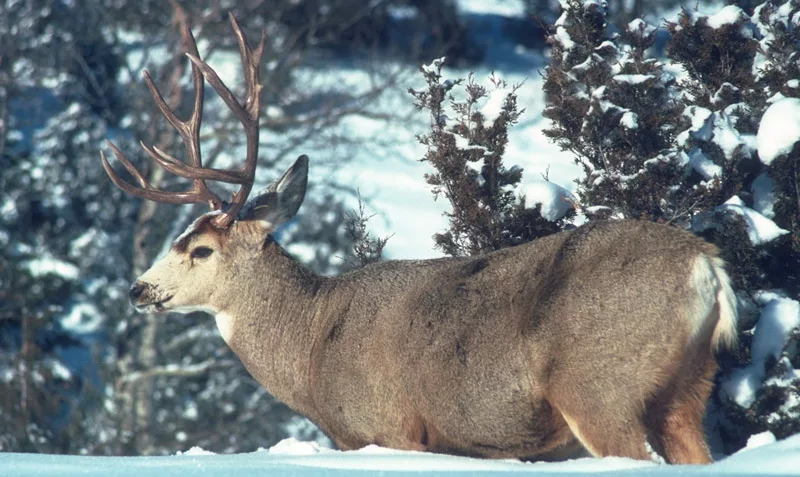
x,y
136,290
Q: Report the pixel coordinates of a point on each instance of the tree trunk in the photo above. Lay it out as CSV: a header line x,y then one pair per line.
x,y
137,397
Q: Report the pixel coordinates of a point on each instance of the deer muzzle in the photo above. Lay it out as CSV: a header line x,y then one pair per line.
x,y
146,297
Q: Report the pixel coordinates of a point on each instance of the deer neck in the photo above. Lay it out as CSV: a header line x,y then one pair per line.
x,y
272,327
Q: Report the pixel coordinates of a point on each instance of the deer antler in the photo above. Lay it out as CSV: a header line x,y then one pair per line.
x,y
189,131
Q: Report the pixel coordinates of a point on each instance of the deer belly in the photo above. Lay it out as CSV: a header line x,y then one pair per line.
x,y
499,431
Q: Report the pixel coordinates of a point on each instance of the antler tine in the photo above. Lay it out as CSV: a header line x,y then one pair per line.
x,y
125,162
146,191
175,166
251,59
247,115
189,129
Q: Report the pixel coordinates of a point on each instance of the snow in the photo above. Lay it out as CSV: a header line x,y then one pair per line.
x,y
196,450
780,18
564,39
463,143
629,120
555,200
727,16
58,369
507,8
763,189
779,129
725,134
700,128
7,375
495,97
49,265
640,27
762,456
82,318
434,65
760,439
191,412
779,316
632,79
8,209
703,165
760,229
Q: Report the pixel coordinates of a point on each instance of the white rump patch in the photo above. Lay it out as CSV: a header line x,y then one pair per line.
x,y
713,287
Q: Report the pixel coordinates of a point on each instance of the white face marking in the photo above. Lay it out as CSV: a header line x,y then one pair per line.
x,y
193,226
225,326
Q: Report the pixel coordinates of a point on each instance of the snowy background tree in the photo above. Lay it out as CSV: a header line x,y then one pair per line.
x,y
465,147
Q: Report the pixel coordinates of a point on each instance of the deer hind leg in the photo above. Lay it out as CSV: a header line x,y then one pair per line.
x,y
683,439
603,438
604,429
676,417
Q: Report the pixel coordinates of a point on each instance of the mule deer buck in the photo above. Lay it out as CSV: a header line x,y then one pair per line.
x,y
602,337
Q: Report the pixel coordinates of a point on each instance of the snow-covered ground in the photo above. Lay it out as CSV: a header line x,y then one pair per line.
x,y
290,457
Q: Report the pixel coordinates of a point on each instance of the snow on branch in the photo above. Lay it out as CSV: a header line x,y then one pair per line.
x,y
176,370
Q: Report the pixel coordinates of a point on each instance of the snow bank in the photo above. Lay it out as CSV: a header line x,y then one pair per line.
x,y
779,129
292,457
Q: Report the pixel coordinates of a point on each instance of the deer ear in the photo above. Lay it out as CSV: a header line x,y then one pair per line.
x,y
280,201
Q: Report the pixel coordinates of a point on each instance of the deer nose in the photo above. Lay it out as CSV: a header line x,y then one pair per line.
x,y
136,291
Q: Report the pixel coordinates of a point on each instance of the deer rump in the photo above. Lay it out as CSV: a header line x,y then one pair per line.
x,y
602,337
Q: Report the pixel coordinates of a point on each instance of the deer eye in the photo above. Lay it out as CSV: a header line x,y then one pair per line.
x,y
201,252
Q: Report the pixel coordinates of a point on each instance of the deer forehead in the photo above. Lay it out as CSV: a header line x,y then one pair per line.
x,y
201,231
